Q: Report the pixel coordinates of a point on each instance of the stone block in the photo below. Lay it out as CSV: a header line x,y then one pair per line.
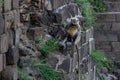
x,y
10,36
112,6
16,17
115,27
91,45
2,24
106,17
3,43
10,73
15,4
116,46
114,56
59,3
118,17
25,61
35,33
65,66
84,50
52,61
105,36
7,5
103,26
89,34
12,56
9,19
64,13
103,46
1,62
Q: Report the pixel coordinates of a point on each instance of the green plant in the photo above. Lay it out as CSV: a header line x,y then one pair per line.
x,y
23,75
88,12
47,72
102,61
98,5
47,46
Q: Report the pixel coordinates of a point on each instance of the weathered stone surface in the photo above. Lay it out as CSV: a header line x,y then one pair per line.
x,y
103,26
1,62
9,20
3,43
7,5
105,36
89,34
115,56
112,6
91,44
35,33
15,4
116,46
10,73
106,17
64,13
117,73
24,61
118,17
16,17
12,56
103,46
65,66
2,24
52,61
59,3
115,27
10,37
25,17
84,50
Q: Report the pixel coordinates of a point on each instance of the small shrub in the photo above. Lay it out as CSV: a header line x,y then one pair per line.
x,y
98,5
47,46
88,12
102,61
47,72
23,75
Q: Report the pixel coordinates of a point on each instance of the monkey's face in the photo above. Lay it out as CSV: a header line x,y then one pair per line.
x,y
75,21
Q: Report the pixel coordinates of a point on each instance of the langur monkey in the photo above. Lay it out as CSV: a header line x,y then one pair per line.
x,y
73,31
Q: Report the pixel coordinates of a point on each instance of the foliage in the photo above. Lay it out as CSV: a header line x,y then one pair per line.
x,y
102,61
98,5
87,11
23,75
47,46
47,72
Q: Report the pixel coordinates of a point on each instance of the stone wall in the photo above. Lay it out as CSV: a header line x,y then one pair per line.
x,y
9,25
16,34
107,31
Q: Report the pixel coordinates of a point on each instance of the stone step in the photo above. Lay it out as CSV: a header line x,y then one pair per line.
x,y
108,17
114,27
112,6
